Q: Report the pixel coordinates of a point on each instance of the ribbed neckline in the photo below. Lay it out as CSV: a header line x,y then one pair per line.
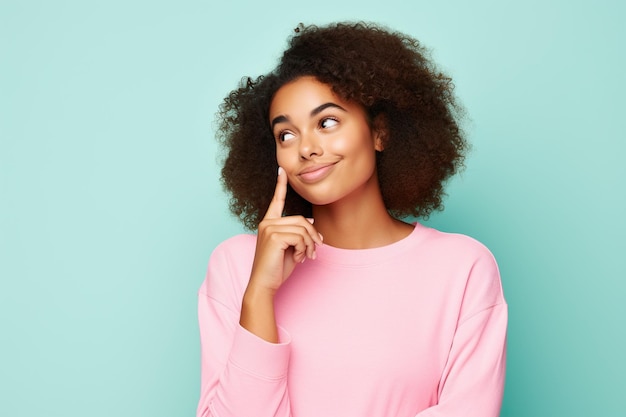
x,y
372,256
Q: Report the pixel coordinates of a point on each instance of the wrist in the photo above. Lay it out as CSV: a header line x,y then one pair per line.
x,y
257,313
258,292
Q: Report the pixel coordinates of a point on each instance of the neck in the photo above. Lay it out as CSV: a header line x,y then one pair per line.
x,y
359,222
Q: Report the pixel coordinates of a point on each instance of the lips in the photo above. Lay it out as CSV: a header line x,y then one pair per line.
x,y
315,172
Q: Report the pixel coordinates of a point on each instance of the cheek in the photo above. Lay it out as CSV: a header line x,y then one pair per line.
x,y
285,160
281,157
355,142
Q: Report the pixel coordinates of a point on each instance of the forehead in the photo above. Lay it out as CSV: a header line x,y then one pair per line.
x,y
302,95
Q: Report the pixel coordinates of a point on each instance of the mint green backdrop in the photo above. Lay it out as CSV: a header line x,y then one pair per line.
x,y
110,201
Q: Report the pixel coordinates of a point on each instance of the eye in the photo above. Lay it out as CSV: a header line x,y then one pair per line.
x,y
285,136
327,122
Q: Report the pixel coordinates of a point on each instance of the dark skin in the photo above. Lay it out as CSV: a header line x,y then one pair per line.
x,y
393,79
329,158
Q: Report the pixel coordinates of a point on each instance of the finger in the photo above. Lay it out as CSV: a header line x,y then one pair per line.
x,y
277,205
315,235
293,235
302,249
293,244
299,221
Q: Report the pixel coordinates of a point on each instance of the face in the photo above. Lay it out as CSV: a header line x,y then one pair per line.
x,y
324,144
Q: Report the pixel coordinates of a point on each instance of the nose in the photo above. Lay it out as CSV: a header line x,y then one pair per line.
x,y
310,145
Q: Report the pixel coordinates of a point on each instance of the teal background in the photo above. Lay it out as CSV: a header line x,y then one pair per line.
x,y
110,202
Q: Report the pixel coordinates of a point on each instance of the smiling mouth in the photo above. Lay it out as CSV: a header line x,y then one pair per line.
x,y
315,173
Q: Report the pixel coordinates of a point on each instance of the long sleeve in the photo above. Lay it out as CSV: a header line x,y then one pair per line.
x,y
413,329
242,375
472,383
473,380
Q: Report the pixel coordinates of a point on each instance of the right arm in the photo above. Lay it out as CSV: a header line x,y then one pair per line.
x,y
282,243
244,354
242,375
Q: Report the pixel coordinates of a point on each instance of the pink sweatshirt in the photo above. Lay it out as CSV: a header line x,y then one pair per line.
x,y
415,328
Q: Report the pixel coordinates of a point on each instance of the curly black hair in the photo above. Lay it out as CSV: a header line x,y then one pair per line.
x,y
386,72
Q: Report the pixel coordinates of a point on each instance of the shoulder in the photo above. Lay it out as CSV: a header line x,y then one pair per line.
x,y
454,246
466,265
229,269
235,245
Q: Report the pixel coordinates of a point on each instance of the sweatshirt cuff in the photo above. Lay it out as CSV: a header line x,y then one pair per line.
x,y
260,357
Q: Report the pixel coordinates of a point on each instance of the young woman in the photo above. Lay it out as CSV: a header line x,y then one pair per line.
x,y
336,307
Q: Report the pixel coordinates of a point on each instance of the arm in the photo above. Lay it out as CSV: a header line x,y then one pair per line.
x,y
472,383
242,374
245,354
282,243
473,380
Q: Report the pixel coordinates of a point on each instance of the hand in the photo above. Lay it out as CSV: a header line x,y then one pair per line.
x,y
282,242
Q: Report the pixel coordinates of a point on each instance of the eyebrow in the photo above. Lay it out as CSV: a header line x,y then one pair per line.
x,y
314,112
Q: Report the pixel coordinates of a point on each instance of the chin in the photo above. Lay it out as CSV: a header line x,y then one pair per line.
x,y
322,198
316,199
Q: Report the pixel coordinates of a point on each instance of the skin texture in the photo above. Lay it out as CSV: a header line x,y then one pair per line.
x,y
402,93
362,130
282,242
336,142
327,152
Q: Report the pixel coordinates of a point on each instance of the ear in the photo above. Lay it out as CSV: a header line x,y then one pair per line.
x,y
379,143
380,132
